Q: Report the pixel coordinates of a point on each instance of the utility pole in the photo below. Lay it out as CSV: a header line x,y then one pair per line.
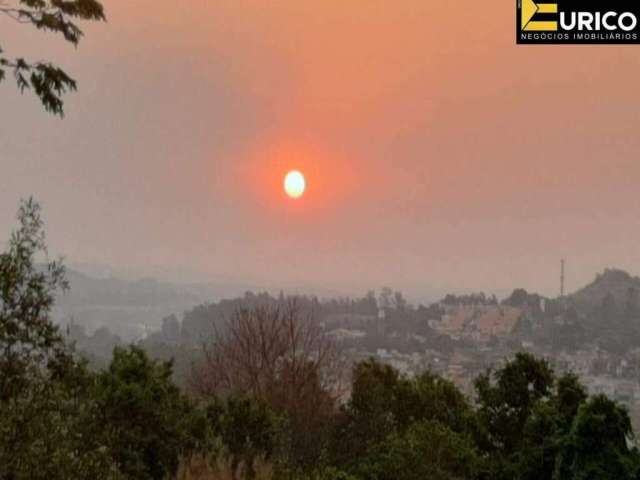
x,y
562,278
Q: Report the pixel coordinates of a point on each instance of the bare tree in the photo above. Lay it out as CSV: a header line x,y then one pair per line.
x,y
268,351
279,355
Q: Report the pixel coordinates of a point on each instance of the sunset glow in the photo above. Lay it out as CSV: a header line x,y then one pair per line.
x,y
390,132
294,184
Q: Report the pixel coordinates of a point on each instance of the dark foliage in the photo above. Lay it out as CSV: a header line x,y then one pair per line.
x,y
48,81
149,424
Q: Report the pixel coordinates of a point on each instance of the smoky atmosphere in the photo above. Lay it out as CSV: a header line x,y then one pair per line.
x,y
319,240
434,161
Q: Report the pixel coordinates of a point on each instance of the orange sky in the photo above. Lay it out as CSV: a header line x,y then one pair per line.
x,y
439,155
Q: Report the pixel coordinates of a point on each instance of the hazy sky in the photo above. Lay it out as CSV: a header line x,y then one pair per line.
x,y
438,154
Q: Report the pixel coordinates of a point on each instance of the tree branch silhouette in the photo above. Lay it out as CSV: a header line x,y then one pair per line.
x,y
48,81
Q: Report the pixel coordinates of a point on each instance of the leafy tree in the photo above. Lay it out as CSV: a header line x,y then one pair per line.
x,y
51,432
506,399
149,423
570,394
249,431
368,417
536,457
28,338
48,81
384,403
546,429
426,450
525,414
47,418
599,446
431,397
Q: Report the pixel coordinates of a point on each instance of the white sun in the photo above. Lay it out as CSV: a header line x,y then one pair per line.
x,y
294,184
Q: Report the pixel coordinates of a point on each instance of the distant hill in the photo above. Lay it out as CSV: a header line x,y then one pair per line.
x,y
108,292
129,308
134,308
612,281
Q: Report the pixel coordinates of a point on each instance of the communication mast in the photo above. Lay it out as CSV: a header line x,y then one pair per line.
x,y
562,278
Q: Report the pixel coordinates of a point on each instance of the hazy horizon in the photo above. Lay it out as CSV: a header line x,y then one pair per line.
x,y
435,160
